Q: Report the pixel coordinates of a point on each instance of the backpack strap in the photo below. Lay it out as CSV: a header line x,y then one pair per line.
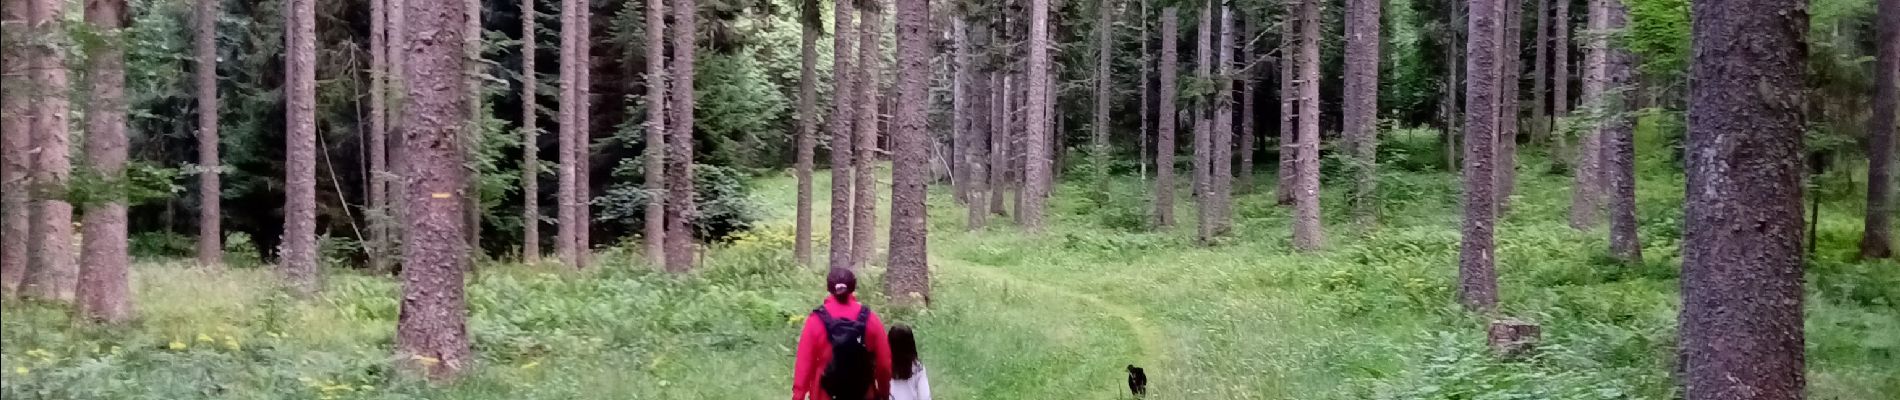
x,y
864,314
823,316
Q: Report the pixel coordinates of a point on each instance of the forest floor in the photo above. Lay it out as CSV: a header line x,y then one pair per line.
x,y
1056,315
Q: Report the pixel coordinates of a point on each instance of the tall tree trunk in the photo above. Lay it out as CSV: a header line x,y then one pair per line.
x,y
16,137
1586,195
957,66
654,231
584,138
1248,114
1222,141
1361,110
1307,233
104,293
210,211
1511,71
1741,324
1876,239
1000,134
1453,88
471,76
680,207
530,136
51,272
300,185
1146,71
567,194
1289,105
811,23
432,325
976,149
1619,142
1102,80
842,124
1540,75
1560,80
395,68
908,280
1036,174
1203,114
1477,273
1166,118
1104,48
870,79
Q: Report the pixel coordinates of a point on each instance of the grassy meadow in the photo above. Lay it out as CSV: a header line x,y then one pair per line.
x,y
1015,316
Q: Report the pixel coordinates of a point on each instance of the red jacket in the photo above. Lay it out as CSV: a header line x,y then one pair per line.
x,y
814,352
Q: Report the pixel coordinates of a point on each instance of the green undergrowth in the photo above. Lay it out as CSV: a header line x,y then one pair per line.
x,y
1015,316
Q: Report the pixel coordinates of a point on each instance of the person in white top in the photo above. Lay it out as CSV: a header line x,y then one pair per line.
x,y
907,372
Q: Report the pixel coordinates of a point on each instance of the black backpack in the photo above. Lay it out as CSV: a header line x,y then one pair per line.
x,y
848,376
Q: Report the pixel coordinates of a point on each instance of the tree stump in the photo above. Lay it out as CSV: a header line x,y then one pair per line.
x,y
1513,339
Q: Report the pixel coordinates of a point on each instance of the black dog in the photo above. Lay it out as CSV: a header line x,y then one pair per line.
x,y
1137,381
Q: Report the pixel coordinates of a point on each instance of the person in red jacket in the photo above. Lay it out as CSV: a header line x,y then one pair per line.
x,y
815,349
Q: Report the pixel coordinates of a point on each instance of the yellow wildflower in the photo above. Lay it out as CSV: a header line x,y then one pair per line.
x,y
204,338
178,345
21,370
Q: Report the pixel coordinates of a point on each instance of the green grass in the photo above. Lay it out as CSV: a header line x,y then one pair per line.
x,y
1015,316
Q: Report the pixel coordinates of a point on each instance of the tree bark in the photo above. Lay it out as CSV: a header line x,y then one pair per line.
x,y
1307,233
583,137
907,282
1000,134
1222,141
566,193
51,272
104,292
1477,274
1585,194
1036,172
530,136
976,149
1203,113
299,256
680,206
1511,71
1289,106
16,137
654,171
1248,114
842,124
210,198
1560,80
1741,333
431,328
1540,75
1104,49
1146,71
811,23
472,77
1361,110
864,165
1167,118
1876,239
1619,142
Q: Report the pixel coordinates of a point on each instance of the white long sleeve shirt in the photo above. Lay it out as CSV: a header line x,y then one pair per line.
x,y
915,388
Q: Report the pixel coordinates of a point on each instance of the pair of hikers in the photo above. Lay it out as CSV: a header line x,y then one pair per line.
x,y
844,352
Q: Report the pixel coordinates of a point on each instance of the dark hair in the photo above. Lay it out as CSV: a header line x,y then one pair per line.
x,y
841,283
903,351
